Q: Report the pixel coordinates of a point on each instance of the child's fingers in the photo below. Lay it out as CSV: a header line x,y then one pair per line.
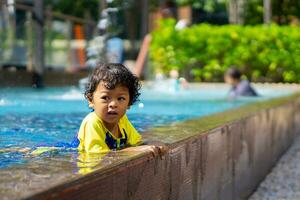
x,y
155,150
158,151
160,146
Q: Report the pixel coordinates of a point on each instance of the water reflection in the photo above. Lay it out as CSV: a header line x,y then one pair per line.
x,y
86,162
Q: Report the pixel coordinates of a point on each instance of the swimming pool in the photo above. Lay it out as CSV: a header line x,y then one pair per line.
x,y
52,116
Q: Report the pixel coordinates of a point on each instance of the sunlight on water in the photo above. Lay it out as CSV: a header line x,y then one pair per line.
x,y
73,94
4,102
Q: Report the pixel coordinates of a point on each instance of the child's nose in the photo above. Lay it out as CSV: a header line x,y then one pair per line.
x,y
113,104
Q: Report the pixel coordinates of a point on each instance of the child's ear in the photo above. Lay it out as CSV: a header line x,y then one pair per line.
x,y
91,104
90,101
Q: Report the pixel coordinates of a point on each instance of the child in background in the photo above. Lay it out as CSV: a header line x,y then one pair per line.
x,y
111,90
239,87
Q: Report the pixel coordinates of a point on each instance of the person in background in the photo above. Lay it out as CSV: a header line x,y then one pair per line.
x,y
167,11
239,87
177,82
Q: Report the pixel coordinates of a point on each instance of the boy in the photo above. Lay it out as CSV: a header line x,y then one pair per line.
x,y
111,90
239,87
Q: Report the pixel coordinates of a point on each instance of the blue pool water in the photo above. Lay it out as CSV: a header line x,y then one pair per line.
x,y
31,118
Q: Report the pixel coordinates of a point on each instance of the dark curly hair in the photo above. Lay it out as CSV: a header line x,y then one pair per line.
x,y
113,74
233,73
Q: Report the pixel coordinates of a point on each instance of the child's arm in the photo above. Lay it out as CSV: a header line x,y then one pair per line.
x,y
156,148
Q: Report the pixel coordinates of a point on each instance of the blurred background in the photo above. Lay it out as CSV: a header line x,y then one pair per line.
x,y
58,41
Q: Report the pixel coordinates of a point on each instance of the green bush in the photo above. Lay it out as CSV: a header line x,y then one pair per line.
x,y
204,52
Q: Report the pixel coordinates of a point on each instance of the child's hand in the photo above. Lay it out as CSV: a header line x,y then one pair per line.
x,y
160,146
150,148
156,148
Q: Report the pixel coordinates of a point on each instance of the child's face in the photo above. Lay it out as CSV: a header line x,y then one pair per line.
x,y
230,80
110,105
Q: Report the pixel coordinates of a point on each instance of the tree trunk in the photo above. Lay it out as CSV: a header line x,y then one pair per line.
x,y
236,11
267,11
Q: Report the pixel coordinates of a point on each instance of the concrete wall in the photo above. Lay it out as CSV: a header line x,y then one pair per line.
x,y
227,162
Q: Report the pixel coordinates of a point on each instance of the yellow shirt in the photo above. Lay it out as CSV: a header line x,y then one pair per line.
x,y
95,138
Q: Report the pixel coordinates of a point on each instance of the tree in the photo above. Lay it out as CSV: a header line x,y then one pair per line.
x,y
75,7
236,11
267,11
285,10
278,11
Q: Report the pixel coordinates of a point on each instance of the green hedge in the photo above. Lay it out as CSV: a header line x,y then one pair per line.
x,y
204,52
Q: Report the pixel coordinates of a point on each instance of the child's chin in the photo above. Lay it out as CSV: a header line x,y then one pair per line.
x,y
111,120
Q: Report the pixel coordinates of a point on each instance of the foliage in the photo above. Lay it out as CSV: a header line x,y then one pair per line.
x,y
75,7
283,11
254,12
207,5
211,6
79,7
204,52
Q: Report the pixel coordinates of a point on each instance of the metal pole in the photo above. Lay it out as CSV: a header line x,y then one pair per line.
x,y
38,65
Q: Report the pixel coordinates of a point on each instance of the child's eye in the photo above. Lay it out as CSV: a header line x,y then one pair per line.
x,y
121,99
106,98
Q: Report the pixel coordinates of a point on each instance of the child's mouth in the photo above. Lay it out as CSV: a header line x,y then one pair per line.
x,y
112,113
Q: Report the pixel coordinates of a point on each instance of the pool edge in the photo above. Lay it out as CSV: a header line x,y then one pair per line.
x,y
179,155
